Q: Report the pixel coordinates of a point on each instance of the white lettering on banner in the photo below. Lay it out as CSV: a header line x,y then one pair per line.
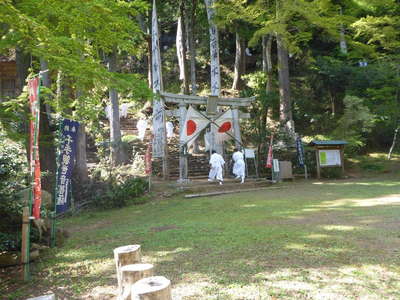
x,y
214,51
158,105
62,196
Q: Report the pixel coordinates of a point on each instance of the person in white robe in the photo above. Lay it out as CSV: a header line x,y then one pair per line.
x,y
123,110
141,126
107,111
239,166
216,162
170,129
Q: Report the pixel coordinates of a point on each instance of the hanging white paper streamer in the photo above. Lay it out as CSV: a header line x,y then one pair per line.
x,y
158,105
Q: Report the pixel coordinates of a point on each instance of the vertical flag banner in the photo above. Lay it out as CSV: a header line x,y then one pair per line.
x,y
214,50
269,158
158,105
300,151
69,131
36,191
147,160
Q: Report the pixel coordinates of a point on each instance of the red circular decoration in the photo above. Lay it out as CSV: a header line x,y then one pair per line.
x,y
224,127
190,127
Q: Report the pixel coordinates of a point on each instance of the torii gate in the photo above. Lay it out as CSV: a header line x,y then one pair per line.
x,y
212,103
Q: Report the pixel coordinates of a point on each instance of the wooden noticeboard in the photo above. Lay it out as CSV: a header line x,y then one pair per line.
x,y
329,154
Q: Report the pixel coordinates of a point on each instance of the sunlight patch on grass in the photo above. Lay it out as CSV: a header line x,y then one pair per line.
x,y
296,246
367,184
292,285
339,227
249,205
177,250
317,236
390,199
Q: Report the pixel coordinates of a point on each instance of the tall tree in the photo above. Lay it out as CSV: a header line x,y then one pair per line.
x,y
181,47
240,63
190,21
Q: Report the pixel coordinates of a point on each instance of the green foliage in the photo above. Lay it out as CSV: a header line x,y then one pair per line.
x,y
331,173
116,195
355,123
13,171
256,128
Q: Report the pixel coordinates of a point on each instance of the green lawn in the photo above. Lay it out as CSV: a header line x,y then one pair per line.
x,y
309,240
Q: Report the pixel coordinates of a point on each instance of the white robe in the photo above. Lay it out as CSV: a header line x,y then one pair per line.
x,y
123,110
170,129
239,166
141,126
216,162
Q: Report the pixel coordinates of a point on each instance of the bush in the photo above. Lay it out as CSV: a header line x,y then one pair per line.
x,y
355,124
116,195
332,172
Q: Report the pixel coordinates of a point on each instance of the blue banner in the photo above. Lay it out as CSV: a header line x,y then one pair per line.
x,y
66,161
300,151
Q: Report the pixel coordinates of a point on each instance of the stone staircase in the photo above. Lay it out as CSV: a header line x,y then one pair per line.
x,y
197,163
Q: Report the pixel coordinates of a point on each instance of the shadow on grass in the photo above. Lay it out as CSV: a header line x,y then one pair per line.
x,y
291,240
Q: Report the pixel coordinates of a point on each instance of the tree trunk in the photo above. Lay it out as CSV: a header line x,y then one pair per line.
x,y
190,20
286,117
22,62
147,59
181,49
125,255
115,126
343,44
267,69
152,288
131,274
81,169
267,61
47,150
393,143
239,63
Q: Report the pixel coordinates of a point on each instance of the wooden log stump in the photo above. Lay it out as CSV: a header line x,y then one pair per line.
x,y
125,255
152,288
132,273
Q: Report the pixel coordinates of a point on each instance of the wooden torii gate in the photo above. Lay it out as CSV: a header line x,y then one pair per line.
x,y
212,103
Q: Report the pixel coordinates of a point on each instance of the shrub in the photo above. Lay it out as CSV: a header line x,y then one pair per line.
x,y
116,195
355,123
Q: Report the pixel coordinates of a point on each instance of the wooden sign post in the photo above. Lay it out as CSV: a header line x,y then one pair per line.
x,y
329,154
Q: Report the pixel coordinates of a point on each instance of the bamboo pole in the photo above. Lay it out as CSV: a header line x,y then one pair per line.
x,y
26,228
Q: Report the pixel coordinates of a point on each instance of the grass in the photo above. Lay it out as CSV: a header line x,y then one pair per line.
x,y
309,240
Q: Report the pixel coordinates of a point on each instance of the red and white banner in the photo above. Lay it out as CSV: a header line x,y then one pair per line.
x,y
269,158
225,127
195,122
36,193
147,160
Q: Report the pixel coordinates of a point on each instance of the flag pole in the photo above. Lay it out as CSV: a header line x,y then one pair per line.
x,y
27,210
